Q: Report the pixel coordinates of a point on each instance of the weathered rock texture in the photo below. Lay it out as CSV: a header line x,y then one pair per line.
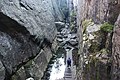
x,y
27,36
116,51
94,9
96,45
90,12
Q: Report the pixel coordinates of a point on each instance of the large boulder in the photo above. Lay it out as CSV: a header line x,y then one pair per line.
x,y
73,42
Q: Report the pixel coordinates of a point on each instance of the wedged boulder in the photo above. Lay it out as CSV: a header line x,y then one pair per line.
x,y
59,36
73,42
73,36
59,40
65,31
59,25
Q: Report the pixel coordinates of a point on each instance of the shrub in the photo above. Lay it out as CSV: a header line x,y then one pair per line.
x,y
107,27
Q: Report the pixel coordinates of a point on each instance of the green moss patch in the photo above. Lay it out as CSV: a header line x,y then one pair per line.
x,y
106,27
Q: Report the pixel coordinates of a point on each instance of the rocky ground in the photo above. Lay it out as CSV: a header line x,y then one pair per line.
x,y
68,40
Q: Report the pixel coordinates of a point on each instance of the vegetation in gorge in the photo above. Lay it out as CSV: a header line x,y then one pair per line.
x,y
97,57
106,27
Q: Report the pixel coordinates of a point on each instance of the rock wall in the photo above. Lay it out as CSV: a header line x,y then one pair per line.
x,y
115,51
95,49
27,36
115,40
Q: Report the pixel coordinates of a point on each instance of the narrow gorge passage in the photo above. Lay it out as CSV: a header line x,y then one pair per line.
x,y
37,37
57,68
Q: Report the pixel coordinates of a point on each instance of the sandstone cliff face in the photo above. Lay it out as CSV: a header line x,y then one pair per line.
x,y
95,44
27,36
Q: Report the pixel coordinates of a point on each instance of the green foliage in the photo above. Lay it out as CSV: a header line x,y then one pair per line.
x,y
107,27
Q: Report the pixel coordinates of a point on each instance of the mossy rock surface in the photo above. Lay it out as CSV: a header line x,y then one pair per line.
x,y
94,47
106,27
96,69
